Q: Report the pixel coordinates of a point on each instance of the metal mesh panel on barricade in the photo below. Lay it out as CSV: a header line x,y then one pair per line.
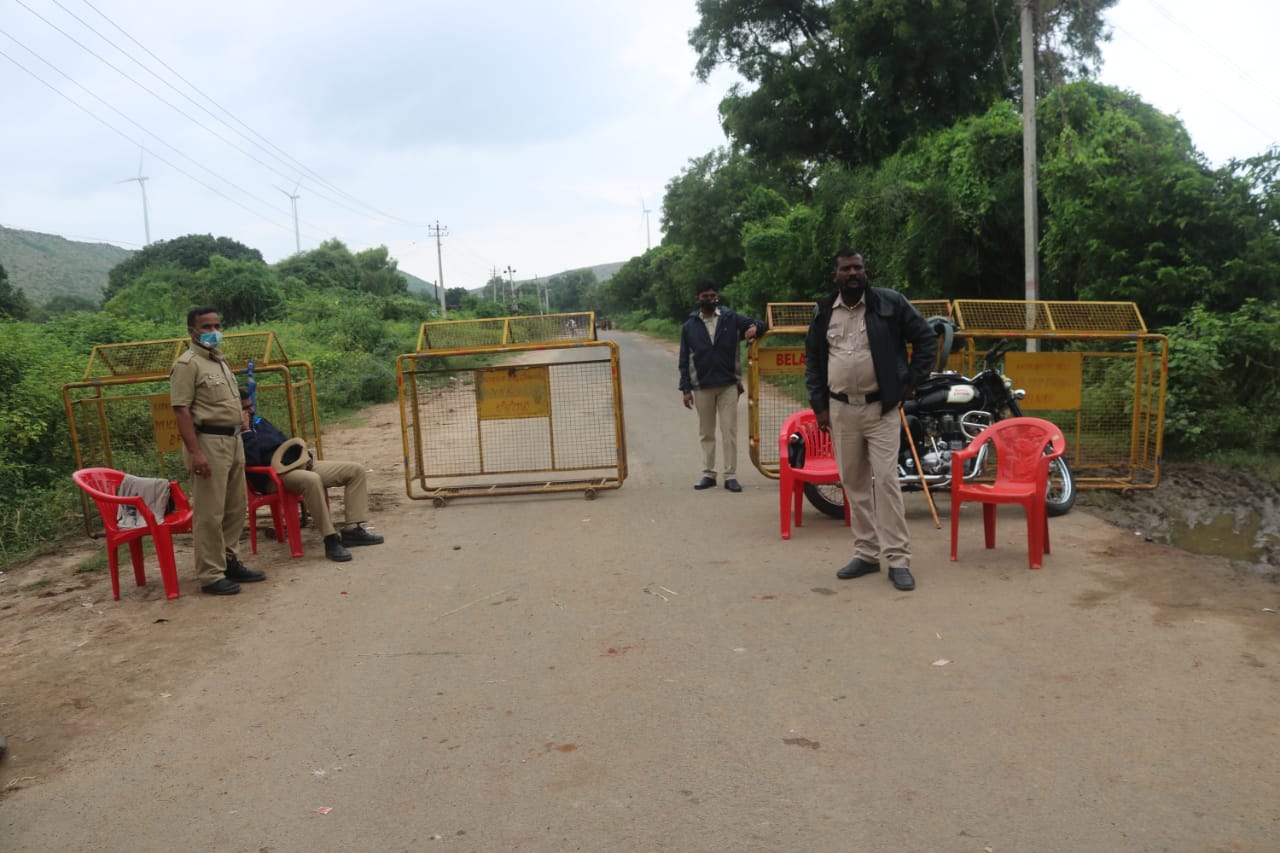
x,y
547,420
506,331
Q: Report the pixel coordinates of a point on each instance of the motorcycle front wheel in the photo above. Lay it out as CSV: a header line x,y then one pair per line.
x,y
827,498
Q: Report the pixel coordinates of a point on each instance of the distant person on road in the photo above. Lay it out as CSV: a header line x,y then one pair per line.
x,y
202,391
261,438
711,381
857,374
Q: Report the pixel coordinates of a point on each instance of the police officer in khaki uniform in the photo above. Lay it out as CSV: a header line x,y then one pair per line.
x,y
206,403
857,374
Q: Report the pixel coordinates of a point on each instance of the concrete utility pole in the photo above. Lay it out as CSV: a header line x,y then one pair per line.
x,y
647,244
1030,207
493,277
511,283
439,232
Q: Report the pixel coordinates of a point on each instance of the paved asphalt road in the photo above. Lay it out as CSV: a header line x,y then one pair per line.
x,y
657,670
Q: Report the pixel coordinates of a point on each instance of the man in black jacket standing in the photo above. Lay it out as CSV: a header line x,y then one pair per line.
x,y
710,379
261,438
857,374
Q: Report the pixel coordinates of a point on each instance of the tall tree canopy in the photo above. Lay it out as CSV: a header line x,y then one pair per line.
x,y
191,252
852,80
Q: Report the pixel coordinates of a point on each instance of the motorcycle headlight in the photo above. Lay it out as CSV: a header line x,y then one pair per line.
x,y
1019,394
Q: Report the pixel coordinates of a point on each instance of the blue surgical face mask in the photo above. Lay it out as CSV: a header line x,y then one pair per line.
x,y
211,339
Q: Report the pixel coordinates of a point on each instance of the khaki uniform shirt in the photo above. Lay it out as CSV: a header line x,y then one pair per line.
x,y
202,381
850,369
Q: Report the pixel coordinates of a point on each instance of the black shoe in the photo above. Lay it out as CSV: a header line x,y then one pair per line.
x,y
733,485
333,549
705,483
240,573
359,536
857,568
901,579
222,586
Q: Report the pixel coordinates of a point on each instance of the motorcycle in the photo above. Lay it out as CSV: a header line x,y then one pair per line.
x,y
946,414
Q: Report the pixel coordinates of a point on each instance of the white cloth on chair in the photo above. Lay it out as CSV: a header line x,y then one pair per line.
x,y
154,493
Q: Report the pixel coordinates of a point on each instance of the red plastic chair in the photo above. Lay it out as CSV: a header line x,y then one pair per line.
x,y
819,467
101,484
1024,448
284,506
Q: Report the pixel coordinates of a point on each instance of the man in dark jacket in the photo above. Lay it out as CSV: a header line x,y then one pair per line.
x,y
261,438
710,379
857,374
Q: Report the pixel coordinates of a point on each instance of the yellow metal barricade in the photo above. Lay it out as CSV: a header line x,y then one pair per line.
x,y
775,374
499,332
120,417
494,419
1097,373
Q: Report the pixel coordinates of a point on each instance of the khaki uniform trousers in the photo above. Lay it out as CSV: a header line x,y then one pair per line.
x,y
219,504
312,484
718,404
866,443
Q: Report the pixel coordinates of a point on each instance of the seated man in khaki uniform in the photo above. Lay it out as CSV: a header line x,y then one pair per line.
x,y
261,438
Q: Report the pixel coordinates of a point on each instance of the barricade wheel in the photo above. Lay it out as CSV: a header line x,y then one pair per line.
x,y
590,494
438,503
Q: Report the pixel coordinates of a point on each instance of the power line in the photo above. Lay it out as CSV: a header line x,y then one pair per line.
x,y
140,127
126,137
294,162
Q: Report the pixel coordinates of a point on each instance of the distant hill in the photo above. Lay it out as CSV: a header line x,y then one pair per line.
x,y
419,285
45,265
603,273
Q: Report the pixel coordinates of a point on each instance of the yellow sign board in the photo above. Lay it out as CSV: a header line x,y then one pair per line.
x,y
1052,380
503,393
166,425
781,361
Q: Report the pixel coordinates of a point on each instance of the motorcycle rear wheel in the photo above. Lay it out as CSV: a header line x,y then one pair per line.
x,y
1060,496
827,498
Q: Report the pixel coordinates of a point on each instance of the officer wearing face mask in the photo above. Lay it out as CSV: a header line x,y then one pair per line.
x,y
206,404
857,374
711,381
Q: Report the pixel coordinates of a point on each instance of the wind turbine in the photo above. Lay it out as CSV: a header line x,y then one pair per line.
x,y
647,244
142,185
293,199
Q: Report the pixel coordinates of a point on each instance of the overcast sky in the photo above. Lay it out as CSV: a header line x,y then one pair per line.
x,y
536,135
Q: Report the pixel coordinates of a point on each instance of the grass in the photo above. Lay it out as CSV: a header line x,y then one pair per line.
x,y
36,586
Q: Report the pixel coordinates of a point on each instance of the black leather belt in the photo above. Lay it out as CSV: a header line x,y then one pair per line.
x,y
873,397
209,429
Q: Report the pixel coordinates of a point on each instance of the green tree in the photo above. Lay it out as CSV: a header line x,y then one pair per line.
x,y
14,304
244,291
852,80
329,265
568,291
377,273
191,252
454,296
706,206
